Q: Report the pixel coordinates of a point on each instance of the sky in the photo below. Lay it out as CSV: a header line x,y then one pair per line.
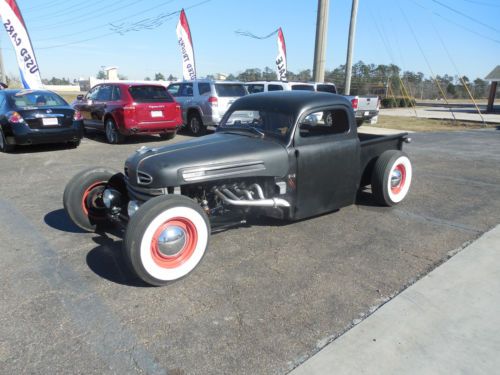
x,y
75,38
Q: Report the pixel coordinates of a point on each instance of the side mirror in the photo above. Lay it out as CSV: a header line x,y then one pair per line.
x,y
79,97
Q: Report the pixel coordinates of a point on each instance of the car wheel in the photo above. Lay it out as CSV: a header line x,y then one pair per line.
x,y
167,136
4,146
113,136
82,198
166,239
74,144
391,178
359,122
195,125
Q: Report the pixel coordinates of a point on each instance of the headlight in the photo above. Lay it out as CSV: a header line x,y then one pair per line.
x,y
132,208
111,198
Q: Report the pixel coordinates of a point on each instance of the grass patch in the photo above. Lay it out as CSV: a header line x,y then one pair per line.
x,y
426,125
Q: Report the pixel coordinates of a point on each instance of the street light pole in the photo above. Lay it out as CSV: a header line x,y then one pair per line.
x,y
320,45
350,47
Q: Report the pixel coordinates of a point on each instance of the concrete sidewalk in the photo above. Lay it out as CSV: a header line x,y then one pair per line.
x,y
446,323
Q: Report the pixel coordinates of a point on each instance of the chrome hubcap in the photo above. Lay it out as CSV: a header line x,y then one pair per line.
x,y
172,240
396,178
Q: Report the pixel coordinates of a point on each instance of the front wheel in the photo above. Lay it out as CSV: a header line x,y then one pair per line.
x,y
82,198
391,178
166,239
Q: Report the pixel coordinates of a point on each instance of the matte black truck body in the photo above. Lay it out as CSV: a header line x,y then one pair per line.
x,y
288,155
321,173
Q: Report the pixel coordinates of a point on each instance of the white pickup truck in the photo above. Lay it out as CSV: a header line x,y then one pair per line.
x,y
365,107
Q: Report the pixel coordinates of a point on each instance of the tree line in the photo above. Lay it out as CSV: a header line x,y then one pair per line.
x,y
367,79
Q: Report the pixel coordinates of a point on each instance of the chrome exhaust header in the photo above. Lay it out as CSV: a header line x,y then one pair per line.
x,y
231,198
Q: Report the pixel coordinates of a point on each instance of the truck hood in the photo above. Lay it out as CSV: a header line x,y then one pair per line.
x,y
213,157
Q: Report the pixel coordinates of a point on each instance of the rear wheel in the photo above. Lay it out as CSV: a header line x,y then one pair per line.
x,y
167,136
113,136
195,124
4,146
166,239
74,144
391,178
82,197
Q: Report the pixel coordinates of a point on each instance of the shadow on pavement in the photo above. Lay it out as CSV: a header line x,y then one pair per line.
x,y
107,260
60,220
47,147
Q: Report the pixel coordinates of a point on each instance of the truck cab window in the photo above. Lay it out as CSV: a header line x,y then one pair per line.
x,y
323,123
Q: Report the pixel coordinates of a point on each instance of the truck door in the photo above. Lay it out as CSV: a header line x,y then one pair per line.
x,y
327,157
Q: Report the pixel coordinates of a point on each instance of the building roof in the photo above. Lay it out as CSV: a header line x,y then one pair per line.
x,y
494,75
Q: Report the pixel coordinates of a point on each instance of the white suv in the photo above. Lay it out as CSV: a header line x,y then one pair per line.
x,y
264,86
205,101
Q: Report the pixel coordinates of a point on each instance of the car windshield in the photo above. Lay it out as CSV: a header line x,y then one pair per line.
x,y
229,89
149,94
271,123
36,99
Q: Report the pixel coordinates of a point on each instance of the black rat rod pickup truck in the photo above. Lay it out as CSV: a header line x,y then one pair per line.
x,y
288,155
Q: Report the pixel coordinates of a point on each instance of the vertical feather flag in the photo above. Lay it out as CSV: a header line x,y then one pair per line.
x,y
186,44
281,59
18,35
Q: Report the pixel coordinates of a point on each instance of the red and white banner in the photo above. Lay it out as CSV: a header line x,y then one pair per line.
x,y
18,35
281,59
186,44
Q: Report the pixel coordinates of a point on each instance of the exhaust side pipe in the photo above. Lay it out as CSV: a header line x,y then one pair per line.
x,y
272,202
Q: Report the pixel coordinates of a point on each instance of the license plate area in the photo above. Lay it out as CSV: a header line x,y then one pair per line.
x,y
50,121
156,114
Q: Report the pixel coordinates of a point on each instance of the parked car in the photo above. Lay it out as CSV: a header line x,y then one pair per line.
x,y
204,102
30,117
127,108
298,155
365,107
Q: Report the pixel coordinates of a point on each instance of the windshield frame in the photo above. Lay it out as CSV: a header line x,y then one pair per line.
x,y
284,139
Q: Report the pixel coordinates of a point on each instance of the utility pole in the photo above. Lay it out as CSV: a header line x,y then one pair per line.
x,y
350,47
320,46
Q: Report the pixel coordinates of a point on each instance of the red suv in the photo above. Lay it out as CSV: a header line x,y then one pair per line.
x,y
122,109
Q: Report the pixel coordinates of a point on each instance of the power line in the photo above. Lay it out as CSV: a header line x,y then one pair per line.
x,y
466,16
92,16
45,5
457,24
483,3
111,33
72,10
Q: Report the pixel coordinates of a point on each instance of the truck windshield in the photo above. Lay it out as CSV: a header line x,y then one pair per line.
x,y
270,123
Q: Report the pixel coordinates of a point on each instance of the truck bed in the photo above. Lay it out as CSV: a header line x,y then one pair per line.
x,y
372,146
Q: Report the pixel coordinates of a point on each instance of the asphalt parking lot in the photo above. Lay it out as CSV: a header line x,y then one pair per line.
x,y
266,296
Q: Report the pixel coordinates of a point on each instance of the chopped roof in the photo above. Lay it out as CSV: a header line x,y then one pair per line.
x,y
494,75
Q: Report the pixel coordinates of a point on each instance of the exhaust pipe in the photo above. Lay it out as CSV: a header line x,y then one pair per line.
x,y
235,201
